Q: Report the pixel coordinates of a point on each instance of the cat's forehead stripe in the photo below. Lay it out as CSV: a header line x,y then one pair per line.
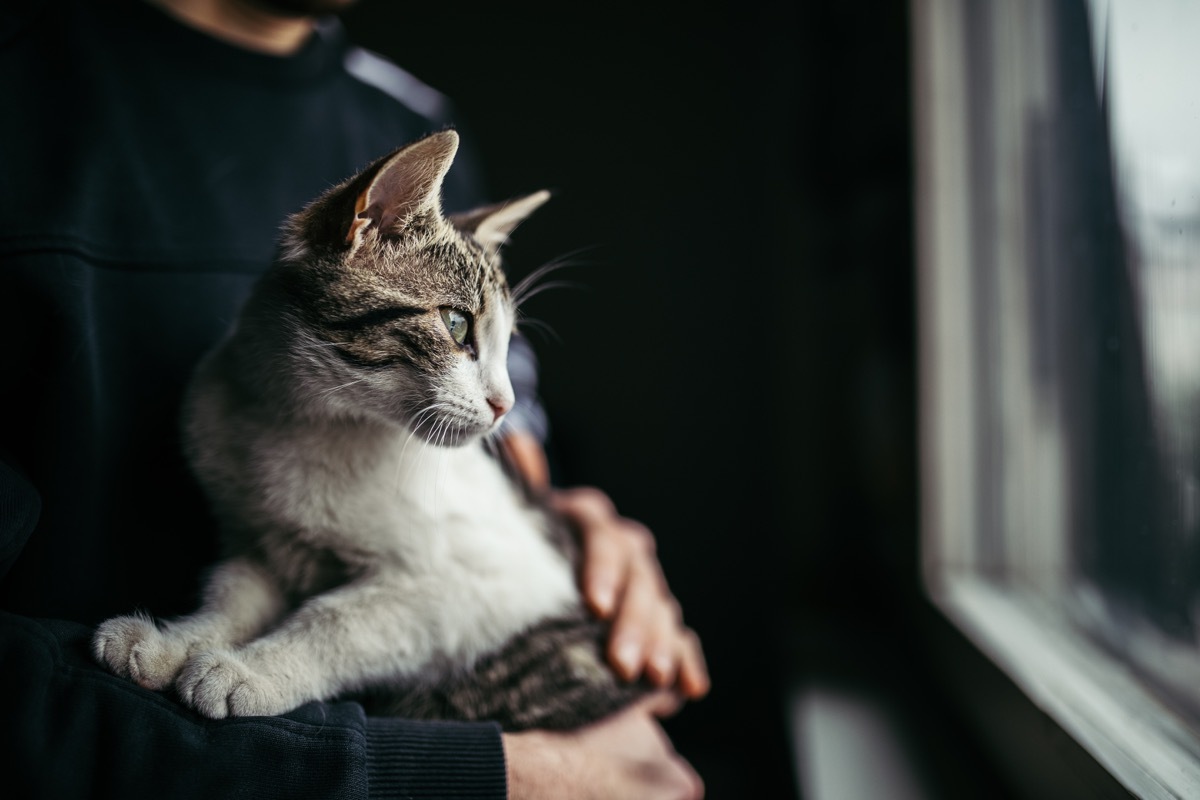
x,y
374,316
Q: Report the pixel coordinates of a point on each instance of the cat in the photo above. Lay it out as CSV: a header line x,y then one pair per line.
x,y
372,547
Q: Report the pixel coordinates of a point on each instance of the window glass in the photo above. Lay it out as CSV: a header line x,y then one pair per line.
x,y
1061,310
1141,558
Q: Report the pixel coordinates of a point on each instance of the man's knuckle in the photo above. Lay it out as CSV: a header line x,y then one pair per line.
x,y
640,535
587,503
593,497
675,610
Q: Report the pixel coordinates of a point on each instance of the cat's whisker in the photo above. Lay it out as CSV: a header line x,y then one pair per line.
x,y
316,347
555,264
539,325
409,435
426,414
437,475
547,286
444,425
325,392
518,291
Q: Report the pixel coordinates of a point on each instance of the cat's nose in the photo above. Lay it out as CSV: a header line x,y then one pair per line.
x,y
500,407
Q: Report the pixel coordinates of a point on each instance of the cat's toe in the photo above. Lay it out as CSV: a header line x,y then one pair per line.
x,y
115,639
155,661
219,685
200,681
252,699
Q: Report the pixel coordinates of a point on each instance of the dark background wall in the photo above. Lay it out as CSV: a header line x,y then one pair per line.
x,y
732,190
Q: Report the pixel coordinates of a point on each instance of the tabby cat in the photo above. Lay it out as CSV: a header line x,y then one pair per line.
x,y
372,546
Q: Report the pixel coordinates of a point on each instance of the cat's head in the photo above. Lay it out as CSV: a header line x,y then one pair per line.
x,y
397,310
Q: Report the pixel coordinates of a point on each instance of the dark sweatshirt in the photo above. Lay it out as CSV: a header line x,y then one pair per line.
x,y
145,169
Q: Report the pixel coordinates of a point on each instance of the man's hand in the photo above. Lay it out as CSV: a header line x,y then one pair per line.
x,y
623,756
622,581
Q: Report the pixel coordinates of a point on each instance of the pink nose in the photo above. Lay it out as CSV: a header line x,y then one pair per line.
x,y
500,407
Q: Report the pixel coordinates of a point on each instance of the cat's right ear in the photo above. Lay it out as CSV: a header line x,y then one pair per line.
x,y
400,187
491,225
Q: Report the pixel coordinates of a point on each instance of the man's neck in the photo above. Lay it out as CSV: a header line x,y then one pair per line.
x,y
242,23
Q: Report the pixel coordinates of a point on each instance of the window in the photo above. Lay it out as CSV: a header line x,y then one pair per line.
x,y
1058,205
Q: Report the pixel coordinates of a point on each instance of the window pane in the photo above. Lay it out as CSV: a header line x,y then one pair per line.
x,y
1061,311
1141,557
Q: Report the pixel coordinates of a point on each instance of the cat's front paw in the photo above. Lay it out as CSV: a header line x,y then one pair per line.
x,y
219,684
133,647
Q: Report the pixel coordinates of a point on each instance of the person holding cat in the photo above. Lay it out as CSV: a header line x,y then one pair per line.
x,y
158,150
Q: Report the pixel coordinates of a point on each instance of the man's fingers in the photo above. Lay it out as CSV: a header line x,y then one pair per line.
x,y
605,554
633,627
605,569
664,648
584,504
694,681
622,580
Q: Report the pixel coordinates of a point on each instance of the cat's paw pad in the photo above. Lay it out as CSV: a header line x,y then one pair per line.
x,y
133,647
218,684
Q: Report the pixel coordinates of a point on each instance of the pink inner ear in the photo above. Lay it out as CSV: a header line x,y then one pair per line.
x,y
397,193
409,183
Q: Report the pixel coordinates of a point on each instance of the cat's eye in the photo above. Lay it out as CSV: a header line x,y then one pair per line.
x,y
458,323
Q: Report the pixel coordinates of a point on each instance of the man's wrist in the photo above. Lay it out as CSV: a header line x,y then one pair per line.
x,y
535,765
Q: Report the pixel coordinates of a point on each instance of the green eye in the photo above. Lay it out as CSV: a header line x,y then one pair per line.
x,y
458,323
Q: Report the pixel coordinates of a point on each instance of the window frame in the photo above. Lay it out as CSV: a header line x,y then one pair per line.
x,y
1007,601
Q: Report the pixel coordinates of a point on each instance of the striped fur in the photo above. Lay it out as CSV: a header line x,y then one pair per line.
x,y
372,547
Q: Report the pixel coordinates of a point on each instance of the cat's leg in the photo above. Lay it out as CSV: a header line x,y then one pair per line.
x,y
553,676
363,632
240,600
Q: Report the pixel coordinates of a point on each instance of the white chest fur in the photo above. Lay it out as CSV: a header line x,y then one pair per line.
x,y
443,526
491,569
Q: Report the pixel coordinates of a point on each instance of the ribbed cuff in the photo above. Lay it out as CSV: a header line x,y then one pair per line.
x,y
445,760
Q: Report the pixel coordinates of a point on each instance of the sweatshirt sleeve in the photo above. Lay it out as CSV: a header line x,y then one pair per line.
x,y
69,729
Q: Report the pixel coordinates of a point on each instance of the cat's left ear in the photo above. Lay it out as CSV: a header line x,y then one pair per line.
x,y
404,185
491,225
